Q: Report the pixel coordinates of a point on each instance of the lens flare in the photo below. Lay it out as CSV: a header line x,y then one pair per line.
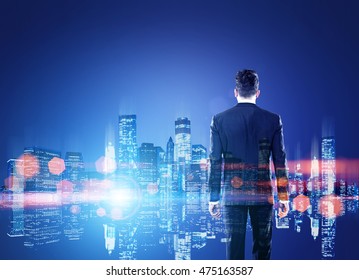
x,y
236,182
101,212
331,206
301,203
27,166
65,188
75,209
56,165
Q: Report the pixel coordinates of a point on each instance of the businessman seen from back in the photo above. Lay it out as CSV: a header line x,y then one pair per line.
x,y
243,141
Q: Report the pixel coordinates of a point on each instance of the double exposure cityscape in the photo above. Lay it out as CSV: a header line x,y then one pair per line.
x,y
145,202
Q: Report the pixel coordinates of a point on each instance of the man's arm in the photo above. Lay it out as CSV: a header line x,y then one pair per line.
x,y
280,166
215,157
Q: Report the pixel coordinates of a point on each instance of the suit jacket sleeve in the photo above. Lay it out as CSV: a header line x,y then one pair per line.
x,y
215,157
280,162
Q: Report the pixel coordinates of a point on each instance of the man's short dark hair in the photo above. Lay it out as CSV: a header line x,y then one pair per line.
x,y
247,83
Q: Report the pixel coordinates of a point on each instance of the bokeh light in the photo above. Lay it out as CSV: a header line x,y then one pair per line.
x,y
56,165
331,206
101,212
27,166
75,209
65,188
236,182
301,203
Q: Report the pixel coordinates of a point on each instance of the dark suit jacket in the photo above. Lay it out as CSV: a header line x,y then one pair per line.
x,y
243,139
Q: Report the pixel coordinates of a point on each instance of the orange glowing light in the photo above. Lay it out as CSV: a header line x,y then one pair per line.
x,y
331,206
236,182
301,203
56,165
282,182
152,188
65,187
27,166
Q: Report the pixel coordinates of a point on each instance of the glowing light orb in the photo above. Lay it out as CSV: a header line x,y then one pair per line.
x,y
56,165
105,165
123,199
152,188
65,188
301,203
282,182
75,209
101,212
27,166
236,182
330,206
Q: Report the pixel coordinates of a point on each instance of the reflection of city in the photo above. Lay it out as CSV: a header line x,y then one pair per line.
x,y
149,199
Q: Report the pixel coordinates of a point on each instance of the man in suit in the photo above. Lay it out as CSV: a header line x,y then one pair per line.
x,y
243,139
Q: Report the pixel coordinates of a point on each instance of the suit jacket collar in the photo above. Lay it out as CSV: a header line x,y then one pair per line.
x,y
246,104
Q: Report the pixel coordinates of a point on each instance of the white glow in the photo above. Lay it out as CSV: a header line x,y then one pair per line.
x,y
121,196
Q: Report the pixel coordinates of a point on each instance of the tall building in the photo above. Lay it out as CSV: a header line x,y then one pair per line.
x,y
43,215
170,151
199,153
127,145
160,156
328,165
75,168
74,208
183,151
314,170
16,185
147,164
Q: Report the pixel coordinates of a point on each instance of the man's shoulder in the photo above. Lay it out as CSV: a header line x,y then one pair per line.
x,y
269,113
237,109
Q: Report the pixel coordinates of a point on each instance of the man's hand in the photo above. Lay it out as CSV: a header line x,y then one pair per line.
x,y
283,209
214,210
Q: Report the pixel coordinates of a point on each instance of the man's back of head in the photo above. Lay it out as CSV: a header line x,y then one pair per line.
x,y
247,83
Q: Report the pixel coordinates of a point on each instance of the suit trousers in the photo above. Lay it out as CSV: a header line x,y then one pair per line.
x,y
235,218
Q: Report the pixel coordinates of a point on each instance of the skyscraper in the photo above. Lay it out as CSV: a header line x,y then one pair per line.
x,y
127,148
328,165
183,152
147,164
75,168
43,218
16,185
74,207
170,151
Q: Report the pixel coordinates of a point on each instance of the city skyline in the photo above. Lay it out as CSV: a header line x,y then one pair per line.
x,y
43,186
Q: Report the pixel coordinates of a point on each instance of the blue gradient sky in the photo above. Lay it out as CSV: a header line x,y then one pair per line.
x,y
68,68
